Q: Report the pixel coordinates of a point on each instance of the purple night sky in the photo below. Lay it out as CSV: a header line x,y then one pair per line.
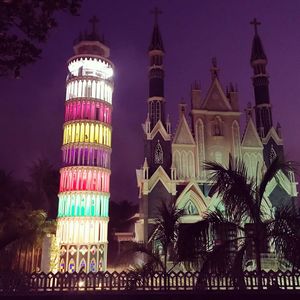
x,y
32,108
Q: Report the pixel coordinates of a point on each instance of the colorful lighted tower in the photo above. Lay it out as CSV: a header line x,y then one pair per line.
x,y
84,177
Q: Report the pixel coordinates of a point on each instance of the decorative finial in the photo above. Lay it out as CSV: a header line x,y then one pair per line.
x,y
156,11
214,69
214,62
249,111
93,21
255,23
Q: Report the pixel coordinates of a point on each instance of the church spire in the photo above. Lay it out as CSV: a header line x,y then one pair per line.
x,y
156,42
260,81
156,101
257,47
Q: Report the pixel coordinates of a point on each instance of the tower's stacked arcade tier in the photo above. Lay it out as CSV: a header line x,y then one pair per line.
x,y
84,177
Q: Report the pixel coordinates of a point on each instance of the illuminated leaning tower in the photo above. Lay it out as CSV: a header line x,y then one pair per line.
x,y
84,177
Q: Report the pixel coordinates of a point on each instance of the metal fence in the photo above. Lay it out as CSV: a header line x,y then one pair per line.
x,y
132,281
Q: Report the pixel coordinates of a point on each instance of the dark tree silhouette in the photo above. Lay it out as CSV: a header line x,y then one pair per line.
x,y
24,25
44,185
119,221
219,242
162,245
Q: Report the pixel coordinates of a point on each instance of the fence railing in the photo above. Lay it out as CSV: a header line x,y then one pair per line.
x,y
133,281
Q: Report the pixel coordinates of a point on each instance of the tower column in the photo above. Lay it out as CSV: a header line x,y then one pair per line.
x,y
84,130
156,100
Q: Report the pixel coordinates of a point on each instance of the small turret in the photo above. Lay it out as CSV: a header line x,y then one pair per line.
x,y
196,95
182,108
278,130
145,169
168,124
248,112
232,95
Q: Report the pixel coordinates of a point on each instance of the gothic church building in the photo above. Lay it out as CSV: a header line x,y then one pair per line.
x,y
173,165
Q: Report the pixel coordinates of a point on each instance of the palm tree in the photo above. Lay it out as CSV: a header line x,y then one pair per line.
x,y
243,202
161,245
285,232
166,230
21,228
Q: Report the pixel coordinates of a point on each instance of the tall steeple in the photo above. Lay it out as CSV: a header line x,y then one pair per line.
x,y
260,79
156,101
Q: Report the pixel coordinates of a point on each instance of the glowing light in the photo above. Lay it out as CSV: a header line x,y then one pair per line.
x,y
101,134
88,66
84,179
83,204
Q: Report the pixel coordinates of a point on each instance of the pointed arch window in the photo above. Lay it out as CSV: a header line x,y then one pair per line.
x,y
158,154
217,129
62,265
72,266
157,111
190,208
93,265
273,154
82,265
236,139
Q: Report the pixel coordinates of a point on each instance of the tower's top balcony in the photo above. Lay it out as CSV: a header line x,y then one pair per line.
x,y
91,43
86,47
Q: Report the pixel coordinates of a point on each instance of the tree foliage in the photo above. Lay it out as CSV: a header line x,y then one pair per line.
x,y
43,186
219,242
24,26
23,218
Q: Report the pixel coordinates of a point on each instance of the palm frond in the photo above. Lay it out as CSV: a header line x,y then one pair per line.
x,y
236,190
284,232
193,243
167,225
151,259
222,259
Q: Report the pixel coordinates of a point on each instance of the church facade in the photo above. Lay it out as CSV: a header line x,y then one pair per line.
x,y
173,165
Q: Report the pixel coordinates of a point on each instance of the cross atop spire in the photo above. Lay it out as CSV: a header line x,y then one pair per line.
x,y
93,21
214,69
156,11
255,23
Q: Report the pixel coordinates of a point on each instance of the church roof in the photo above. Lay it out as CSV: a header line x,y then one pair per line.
x,y
216,99
257,51
183,133
159,127
272,133
251,138
156,40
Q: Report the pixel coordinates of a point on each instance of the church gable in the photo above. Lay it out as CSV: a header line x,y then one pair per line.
x,y
272,134
251,138
183,134
159,128
161,176
216,99
192,200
